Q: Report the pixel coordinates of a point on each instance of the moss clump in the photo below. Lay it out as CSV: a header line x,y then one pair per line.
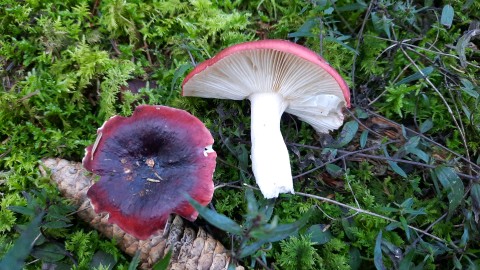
x,y
412,166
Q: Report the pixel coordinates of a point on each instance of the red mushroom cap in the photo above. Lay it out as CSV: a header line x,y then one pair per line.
x,y
147,163
278,45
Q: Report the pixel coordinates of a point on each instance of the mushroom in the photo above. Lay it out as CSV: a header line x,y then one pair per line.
x,y
276,76
147,164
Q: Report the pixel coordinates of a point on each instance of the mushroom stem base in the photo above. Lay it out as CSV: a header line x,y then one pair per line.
x,y
270,159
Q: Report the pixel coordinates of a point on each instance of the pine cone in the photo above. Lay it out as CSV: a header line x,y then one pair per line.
x,y
191,248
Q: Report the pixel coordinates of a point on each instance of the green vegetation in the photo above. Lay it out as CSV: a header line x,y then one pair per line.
x,y
397,188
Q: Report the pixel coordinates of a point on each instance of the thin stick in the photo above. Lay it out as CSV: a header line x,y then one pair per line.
x,y
29,95
427,229
345,22
361,211
420,48
262,263
145,46
360,154
467,176
79,210
450,111
338,158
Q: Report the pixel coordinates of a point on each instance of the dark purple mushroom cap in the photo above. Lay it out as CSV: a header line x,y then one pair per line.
x,y
148,163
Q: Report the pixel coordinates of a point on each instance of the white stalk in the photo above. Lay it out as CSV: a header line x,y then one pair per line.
x,y
270,159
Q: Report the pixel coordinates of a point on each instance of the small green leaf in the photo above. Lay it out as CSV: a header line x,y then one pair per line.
x,y
467,112
179,72
404,132
412,143
392,226
420,154
266,208
469,88
394,252
393,165
377,253
413,213
426,126
355,258
328,11
346,135
334,170
406,262
49,252
56,224
382,24
462,44
329,153
135,261
387,25
397,168
281,231
22,210
447,16
16,256
162,264
472,265
252,205
453,184
465,237
408,203
103,258
361,114
404,223
475,195
318,234
343,44
363,138
358,6
305,30
411,148
416,76
218,220
252,248
457,263
347,226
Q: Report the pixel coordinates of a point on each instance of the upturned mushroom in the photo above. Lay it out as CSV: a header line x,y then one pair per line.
x,y
147,163
276,76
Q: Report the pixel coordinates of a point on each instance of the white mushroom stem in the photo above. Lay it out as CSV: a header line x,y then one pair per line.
x,y
270,159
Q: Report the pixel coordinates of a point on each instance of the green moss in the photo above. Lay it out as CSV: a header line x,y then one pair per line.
x,y
63,65
298,253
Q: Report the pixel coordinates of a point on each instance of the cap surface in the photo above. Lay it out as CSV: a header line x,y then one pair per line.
x,y
314,91
147,163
